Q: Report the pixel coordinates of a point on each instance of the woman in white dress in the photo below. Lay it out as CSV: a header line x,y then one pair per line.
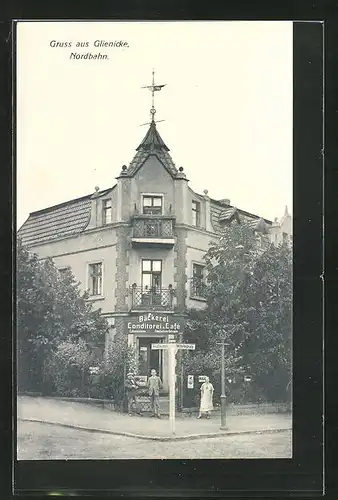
x,y
207,391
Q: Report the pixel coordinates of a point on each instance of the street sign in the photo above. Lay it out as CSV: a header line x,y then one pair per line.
x,y
178,346
160,346
190,347
201,378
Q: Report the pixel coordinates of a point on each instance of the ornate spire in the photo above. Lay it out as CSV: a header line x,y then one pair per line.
x,y
153,88
152,143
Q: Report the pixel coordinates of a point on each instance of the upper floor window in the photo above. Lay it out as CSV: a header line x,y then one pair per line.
x,y
152,205
285,237
107,212
95,278
196,213
198,283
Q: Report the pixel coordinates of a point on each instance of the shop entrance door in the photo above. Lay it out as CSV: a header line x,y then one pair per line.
x,y
149,358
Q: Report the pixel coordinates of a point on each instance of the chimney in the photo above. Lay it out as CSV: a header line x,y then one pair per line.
x,y
226,201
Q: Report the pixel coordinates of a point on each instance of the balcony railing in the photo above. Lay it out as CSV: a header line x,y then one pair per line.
x,y
144,298
153,227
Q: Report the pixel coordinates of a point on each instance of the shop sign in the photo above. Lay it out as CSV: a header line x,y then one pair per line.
x,y
155,323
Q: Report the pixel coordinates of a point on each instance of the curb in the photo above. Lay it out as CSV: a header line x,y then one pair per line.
x,y
155,438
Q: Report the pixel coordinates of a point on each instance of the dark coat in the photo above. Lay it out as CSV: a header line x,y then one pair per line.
x,y
131,387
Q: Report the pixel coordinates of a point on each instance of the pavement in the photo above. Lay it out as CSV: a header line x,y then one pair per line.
x,y
90,418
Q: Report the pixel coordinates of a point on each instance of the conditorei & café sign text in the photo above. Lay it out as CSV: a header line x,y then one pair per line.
x,y
154,323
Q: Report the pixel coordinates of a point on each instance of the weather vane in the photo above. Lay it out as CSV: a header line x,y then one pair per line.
x,y
153,88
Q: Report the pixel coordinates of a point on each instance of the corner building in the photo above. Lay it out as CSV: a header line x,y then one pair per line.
x,y
138,247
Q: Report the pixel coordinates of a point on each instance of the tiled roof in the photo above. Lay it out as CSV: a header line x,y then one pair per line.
x,y
227,214
65,219
220,212
152,144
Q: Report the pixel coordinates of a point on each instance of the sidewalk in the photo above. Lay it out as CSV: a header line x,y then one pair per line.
x,y
80,416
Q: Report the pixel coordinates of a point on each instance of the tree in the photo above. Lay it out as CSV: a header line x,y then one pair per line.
x,y
249,303
52,313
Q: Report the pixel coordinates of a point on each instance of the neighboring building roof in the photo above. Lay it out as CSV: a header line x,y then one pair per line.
x,y
222,212
152,144
259,225
65,219
228,214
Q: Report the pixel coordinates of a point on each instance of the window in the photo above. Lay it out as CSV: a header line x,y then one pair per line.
x,y
106,212
152,205
63,271
95,279
285,237
196,213
198,285
151,274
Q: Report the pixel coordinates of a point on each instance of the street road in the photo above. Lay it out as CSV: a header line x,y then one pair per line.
x,y
42,442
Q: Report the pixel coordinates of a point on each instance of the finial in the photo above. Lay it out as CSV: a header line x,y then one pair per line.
x,y
153,88
205,192
97,188
286,210
181,169
124,169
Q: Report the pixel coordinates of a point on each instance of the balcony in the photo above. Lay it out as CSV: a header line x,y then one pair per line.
x,y
153,230
145,298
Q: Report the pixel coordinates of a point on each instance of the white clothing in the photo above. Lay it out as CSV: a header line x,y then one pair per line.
x,y
207,390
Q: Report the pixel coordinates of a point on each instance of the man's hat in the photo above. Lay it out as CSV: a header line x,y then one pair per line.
x,y
130,373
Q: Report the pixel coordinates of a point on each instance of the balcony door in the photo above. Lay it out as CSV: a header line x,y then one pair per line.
x,y
151,282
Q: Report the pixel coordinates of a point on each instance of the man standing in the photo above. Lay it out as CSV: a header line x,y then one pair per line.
x,y
131,390
154,385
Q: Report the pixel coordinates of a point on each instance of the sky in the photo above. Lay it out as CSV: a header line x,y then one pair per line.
x,y
227,108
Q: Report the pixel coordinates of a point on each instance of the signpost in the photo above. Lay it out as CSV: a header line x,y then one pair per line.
x,y
172,348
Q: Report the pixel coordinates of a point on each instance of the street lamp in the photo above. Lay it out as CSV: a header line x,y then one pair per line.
x,y
223,396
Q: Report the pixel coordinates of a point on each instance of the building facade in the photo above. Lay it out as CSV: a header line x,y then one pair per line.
x,y
138,247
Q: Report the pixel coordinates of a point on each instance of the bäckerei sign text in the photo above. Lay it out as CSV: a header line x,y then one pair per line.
x,y
154,323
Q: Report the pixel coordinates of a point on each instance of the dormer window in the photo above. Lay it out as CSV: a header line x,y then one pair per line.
x,y
152,205
107,212
196,213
